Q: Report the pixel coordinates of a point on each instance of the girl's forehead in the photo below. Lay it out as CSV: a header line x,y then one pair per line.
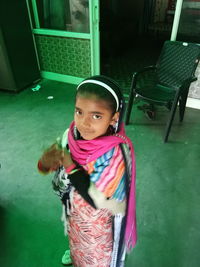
x,y
91,102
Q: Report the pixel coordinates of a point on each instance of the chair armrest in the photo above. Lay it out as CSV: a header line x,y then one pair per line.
x,y
148,68
143,71
193,79
186,83
189,80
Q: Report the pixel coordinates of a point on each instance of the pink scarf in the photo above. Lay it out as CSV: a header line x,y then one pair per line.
x,y
84,151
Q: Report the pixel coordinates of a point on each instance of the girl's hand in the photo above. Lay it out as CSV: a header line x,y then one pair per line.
x,y
52,158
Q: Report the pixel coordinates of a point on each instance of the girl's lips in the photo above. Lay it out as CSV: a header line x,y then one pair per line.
x,y
85,131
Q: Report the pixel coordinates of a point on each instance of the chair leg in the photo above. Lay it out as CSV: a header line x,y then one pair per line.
x,y
171,118
129,107
182,104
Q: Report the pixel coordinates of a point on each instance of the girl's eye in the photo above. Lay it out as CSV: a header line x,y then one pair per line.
x,y
78,112
96,117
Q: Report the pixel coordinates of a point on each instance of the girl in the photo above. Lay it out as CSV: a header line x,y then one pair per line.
x,y
96,179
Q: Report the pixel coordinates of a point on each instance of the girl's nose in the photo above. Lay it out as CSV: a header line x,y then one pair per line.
x,y
86,121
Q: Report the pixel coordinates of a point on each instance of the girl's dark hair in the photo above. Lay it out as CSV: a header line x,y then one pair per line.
x,y
102,93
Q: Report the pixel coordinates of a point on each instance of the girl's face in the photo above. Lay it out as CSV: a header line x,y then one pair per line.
x,y
93,117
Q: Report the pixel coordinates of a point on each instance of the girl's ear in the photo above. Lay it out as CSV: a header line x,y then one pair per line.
x,y
114,119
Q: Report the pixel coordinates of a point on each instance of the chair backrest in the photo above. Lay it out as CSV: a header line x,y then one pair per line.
x,y
177,62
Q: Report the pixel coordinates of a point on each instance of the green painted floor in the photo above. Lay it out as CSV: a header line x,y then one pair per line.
x,y
168,183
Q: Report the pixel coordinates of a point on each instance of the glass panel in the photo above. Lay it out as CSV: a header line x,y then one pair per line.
x,y
67,15
189,25
161,16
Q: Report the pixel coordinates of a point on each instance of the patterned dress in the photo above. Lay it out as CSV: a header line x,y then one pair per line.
x,y
90,234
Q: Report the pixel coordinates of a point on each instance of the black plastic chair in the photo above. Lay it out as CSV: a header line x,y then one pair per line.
x,y
167,83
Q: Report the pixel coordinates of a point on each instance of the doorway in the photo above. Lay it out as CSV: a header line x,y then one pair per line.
x,y
131,36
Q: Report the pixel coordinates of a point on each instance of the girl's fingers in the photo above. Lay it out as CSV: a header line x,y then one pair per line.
x,y
56,164
59,154
55,152
53,147
63,154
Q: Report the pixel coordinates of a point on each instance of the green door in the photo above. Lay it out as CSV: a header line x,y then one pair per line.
x,y
66,34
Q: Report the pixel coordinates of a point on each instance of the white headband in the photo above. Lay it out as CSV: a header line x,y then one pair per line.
x,y
103,85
